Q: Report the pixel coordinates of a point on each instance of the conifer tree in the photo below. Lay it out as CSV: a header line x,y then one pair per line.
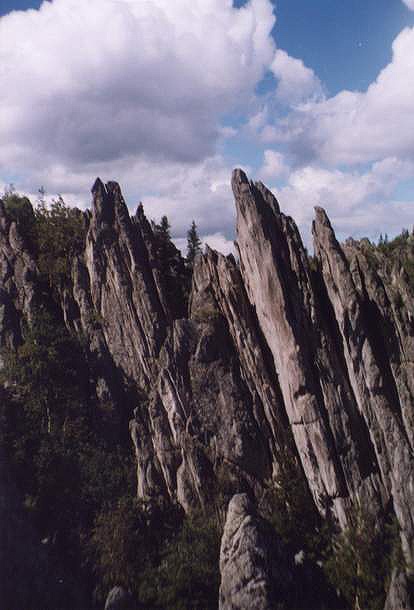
x,y
193,244
164,245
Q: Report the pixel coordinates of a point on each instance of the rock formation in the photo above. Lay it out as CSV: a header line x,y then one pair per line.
x,y
280,356
118,599
245,560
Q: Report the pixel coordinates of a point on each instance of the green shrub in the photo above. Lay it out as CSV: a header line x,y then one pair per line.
x,y
59,236
360,560
187,577
19,209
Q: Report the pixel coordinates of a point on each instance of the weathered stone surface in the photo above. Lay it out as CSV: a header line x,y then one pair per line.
x,y
245,561
398,597
123,290
202,423
387,299
220,276
18,277
370,377
328,430
118,599
278,356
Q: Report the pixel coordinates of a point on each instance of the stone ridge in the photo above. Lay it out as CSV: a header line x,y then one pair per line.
x,y
278,359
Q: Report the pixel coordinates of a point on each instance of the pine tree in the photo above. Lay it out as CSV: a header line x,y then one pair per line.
x,y
164,245
172,268
193,244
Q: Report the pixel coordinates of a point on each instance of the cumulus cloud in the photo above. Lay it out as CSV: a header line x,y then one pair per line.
x,y
274,166
217,241
137,91
409,4
296,82
102,80
356,127
199,192
358,203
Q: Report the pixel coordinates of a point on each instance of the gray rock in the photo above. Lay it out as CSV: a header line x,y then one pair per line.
x,y
328,430
398,597
18,281
278,357
371,378
122,287
245,562
118,599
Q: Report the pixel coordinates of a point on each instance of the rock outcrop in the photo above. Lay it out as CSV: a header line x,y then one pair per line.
x,y
18,281
370,374
118,599
328,430
280,357
398,597
245,560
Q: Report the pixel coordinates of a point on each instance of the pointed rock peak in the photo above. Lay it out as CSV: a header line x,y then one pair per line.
x,y
257,192
140,213
239,183
98,188
114,189
268,196
324,237
121,208
103,208
321,217
321,227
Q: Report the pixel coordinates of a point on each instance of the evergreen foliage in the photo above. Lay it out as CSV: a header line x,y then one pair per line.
x,y
60,457
59,236
359,561
55,233
193,244
19,210
74,517
172,268
186,576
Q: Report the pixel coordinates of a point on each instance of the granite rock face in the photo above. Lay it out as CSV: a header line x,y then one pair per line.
x,y
297,322
18,281
245,562
279,356
361,323
398,596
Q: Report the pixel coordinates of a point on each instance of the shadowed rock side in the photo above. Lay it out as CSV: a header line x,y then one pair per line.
x,y
18,287
277,359
123,289
329,432
398,597
370,374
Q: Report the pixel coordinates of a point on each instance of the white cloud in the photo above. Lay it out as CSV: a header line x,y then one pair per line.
x,y
274,166
355,127
217,241
103,80
297,82
136,91
358,203
409,4
200,192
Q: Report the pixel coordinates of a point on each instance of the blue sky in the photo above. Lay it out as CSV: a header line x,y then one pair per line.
x,y
310,97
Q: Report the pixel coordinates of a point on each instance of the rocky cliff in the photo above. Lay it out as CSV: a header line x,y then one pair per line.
x,y
281,358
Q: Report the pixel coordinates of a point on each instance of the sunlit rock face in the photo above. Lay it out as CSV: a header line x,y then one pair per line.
x,y
245,561
280,356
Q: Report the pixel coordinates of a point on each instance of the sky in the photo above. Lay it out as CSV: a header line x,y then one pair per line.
x,y
313,98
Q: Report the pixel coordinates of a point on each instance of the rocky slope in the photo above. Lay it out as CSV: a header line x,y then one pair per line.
x,y
280,358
